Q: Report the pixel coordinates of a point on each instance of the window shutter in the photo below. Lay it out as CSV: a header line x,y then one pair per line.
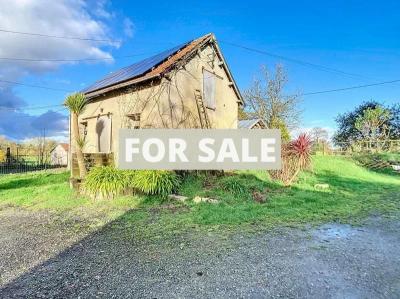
x,y
103,130
209,89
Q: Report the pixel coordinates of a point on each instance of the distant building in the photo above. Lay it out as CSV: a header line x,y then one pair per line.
x,y
254,123
59,155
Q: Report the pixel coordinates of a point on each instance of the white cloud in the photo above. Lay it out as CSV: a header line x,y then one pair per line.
x,y
101,9
60,18
129,27
70,18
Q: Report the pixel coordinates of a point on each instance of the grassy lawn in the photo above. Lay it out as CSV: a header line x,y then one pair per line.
x,y
50,191
355,192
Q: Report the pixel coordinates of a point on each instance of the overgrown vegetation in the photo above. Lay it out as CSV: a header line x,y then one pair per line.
x,y
235,186
296,156
369,120
354,192
381,162
151,182
374,123
105,182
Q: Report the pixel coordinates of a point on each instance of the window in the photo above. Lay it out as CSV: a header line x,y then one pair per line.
x,y
135,118
209,89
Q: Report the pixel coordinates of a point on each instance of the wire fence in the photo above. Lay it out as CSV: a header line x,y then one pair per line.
x,y
26,166
14,159
367,146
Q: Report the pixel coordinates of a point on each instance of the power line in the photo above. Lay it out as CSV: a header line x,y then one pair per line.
x,y
303,94
351,87
300,62
304,63
59,36
72,60
297,61
32,108
35,86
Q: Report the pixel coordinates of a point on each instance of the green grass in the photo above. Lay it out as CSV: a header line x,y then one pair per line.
x,y
355,192
50,191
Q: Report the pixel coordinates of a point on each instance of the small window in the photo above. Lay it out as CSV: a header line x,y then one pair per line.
x,y
135,118
209,89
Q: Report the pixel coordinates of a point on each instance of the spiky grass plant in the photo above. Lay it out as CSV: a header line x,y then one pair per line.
x,y
105,182
160,182
234,185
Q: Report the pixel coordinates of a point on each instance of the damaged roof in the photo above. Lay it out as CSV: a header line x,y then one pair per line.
x,y
153,67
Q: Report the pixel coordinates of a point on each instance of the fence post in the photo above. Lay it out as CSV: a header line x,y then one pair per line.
x,y
8,155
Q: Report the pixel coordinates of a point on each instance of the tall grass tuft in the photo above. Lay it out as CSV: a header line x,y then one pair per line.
x,y
160,182
105,182
234,185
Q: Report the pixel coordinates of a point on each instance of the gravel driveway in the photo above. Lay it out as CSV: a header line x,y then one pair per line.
x,y
331,261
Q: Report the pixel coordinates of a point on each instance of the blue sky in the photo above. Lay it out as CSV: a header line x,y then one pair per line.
x,y
360,37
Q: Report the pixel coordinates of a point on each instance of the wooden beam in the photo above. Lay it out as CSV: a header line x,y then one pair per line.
x,y
97,116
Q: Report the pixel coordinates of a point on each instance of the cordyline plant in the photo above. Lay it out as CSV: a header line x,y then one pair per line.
x,y
76,105
296,156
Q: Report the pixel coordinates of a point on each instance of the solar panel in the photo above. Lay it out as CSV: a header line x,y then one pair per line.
x,y
132,71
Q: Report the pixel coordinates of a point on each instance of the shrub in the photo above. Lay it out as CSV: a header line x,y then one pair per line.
x,y
276,123
301,149
296,156
161,182
105,182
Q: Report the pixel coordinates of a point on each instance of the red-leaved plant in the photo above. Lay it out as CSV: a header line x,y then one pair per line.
x,y
296,156
301,149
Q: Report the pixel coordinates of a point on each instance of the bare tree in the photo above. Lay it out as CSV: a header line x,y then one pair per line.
x,y
319,134
266,100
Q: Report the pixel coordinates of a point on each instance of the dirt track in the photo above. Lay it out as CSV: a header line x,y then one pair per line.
x,y
331,261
